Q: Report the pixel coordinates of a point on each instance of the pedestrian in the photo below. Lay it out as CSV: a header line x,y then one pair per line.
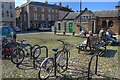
x,y
102,34
110,37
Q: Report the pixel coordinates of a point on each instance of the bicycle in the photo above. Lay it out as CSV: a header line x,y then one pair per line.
x,y
22,51
8,46
57,63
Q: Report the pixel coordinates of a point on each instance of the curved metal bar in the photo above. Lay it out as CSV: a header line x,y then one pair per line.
x,y
46,50
60,41
89,65
34,65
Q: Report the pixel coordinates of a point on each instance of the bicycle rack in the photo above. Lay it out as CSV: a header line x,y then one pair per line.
x,y
89,65
46,49
55,56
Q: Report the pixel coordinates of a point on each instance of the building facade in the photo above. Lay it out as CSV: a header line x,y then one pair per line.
x,y
7,13
91,21
118,8
71,22
105,19
36,14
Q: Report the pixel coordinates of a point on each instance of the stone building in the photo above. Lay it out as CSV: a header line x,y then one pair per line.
x,y
91,21
71,22
105,19
7,13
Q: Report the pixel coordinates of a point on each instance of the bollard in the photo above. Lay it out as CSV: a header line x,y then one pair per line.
x,y
74,33
63,33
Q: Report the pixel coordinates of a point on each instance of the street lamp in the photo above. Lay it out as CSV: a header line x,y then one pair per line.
x,y
80,13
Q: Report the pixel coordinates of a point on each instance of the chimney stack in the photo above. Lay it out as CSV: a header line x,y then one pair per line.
x,y
60,4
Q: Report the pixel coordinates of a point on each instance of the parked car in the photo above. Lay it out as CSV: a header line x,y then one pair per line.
x,y
44,29
16,29
7,32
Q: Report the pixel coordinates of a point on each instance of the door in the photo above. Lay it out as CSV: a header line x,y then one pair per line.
x,y
92,26
65,27
70,27
59,26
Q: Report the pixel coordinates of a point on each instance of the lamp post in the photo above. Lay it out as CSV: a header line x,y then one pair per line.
x,y
80,13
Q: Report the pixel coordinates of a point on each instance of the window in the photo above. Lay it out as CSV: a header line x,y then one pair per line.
x,y
42,9
49,10
7,13
11,15
53,10
104,24
110,23
49,17
57,17
2,13
42,16
35,16
2,5
10,6
63,13
56,11
35,8
52,17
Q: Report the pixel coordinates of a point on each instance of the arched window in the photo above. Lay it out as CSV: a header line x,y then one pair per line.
x,y
110,23
104,24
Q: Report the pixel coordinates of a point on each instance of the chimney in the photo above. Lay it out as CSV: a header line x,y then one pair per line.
x,y
46,2
86,8
118,7
67,6
60,4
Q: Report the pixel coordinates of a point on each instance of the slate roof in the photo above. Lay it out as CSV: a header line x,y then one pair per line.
x,y
72,15
49,5
106,13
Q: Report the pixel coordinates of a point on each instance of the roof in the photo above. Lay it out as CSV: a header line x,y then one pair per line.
x,y
106,13
72,15
49,5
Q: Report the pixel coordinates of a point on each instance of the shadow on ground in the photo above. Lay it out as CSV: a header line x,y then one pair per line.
x,y
110,53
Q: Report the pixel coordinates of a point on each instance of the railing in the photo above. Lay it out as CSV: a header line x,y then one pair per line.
x,y
34,59
89,65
